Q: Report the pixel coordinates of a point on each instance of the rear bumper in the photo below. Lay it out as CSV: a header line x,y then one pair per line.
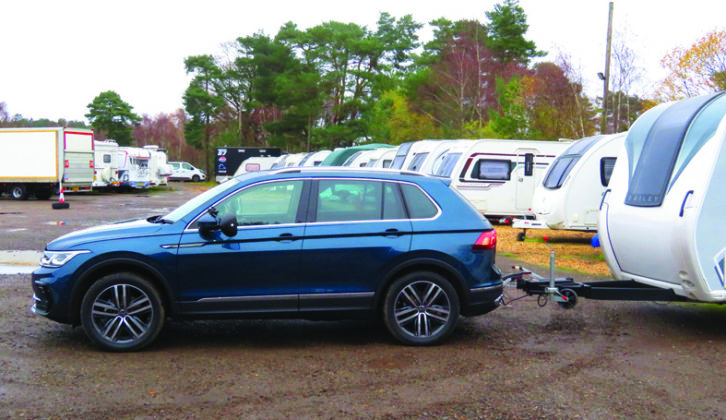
x,y
483,300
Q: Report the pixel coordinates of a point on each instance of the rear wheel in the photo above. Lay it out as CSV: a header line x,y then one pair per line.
x,y
122,312
19,192
421,309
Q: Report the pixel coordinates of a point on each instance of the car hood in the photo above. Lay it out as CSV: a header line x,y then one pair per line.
x,y
119,230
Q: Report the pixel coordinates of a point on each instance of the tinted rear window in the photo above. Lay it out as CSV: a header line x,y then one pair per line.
x,y
418,203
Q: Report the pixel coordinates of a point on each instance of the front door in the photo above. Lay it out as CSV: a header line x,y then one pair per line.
x,y
257,269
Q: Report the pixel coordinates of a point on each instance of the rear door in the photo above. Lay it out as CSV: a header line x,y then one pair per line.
x,y
78,160
356,228
523,176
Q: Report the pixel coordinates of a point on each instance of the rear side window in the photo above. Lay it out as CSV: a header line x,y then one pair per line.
x,y
606,170
493,170
418,203
355,200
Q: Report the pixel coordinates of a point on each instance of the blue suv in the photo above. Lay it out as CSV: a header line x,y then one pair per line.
x,y
318,243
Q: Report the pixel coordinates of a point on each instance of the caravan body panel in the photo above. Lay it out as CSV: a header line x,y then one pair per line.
x,y
499,176
569,196
661,222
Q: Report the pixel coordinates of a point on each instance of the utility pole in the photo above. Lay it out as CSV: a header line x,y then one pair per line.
x,y
606,78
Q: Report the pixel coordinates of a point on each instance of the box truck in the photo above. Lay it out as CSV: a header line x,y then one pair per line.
x,y
40,161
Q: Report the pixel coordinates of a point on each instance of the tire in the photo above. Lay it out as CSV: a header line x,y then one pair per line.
x,y
196,178
19,192
122,312
521,236
421,309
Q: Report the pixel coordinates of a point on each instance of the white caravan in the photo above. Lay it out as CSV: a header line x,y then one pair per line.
x,y
315,158
159,168
133,167
662,218
440,150
255,164
569,196
362,158
105,172
294,159
418,153
499,176
383,158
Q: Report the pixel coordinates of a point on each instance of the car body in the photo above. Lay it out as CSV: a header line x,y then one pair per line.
x,y
185,171
313,243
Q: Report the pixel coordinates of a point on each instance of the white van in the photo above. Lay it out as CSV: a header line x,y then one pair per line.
x,y
662,217
185,171
499,176
569,196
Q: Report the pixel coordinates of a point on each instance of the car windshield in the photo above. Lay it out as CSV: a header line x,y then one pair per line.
x,y
195,202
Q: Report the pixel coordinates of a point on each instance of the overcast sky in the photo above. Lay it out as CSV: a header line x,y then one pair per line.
x,y
58,55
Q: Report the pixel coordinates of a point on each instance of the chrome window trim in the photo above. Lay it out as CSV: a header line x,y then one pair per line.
x,y
436,216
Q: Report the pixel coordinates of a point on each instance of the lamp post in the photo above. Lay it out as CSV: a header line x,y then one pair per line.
x,y
606,77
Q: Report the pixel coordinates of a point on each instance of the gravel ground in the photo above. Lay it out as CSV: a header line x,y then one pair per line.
x,y
599,360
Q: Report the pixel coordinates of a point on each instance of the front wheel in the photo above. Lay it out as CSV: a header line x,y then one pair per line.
x,y
196,178
122,312
421,309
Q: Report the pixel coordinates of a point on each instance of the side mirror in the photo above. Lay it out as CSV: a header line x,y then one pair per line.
x,y
228,224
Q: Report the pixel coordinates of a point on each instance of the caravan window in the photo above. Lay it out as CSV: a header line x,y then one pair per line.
x,y
401,154
660,151
606,170
447,165
106,158
493,170
558,171
417,161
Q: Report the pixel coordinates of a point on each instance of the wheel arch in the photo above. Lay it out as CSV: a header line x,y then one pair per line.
x,y
119,265
434,265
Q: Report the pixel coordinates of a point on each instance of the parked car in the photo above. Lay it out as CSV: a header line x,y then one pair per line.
x,y
184,171
313,243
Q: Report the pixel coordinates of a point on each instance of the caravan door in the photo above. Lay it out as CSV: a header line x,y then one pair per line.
x,y
523,176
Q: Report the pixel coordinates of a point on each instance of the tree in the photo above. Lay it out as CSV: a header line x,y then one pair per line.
x,y
698,70
4,115
202,104
507,26
393,121
112,117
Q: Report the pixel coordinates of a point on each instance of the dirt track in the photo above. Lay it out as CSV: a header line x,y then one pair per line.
x,y
599,360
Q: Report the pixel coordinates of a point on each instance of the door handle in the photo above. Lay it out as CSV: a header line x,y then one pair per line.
x,y
392,232
285,237
683,204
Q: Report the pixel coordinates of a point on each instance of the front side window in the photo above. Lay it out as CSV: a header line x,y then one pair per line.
x,y
186,166
272,203
493,170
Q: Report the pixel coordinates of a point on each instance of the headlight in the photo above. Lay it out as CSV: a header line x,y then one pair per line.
x,y
55,259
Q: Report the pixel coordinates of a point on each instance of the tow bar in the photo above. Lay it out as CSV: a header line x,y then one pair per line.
x,y
565,291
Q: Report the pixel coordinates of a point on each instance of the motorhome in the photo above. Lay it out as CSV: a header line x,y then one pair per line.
x,y
42,161
499,176
105,169
159,168
661,221
133,167
570,194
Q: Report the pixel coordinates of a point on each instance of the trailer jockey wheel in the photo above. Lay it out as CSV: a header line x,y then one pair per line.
x,y
571,299
521,236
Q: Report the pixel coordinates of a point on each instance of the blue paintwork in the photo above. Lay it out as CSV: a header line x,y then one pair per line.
x,y
258,271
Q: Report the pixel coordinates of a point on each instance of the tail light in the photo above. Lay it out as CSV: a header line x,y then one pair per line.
x,y
68,165
486,241
90,164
